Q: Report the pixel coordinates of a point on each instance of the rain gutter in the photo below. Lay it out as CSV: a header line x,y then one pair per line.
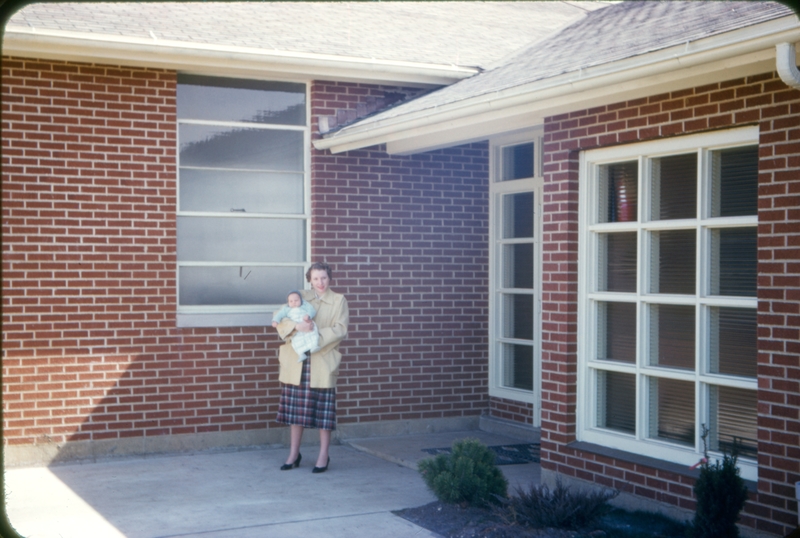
x,y
221,59
786,63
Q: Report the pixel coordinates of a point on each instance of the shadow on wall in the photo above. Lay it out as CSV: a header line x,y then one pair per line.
x,y
211,388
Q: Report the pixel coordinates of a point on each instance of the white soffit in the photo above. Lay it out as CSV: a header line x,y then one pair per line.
x,y
222,60
735,54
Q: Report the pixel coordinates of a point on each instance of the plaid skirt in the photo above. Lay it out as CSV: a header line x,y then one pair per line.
x,y
300,405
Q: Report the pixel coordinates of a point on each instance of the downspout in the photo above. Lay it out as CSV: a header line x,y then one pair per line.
x,y
785,61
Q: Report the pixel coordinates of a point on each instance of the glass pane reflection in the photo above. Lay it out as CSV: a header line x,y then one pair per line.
x,y
734,420
733,340
518,161
240,191
671,410
206,239
240,100
618,262
619,186
518,266
518,313
616,332
212,146
675,257
518,215
672,336
616,405
239,285
517,366
674,187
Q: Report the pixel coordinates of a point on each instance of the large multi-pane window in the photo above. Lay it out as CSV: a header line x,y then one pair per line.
x,y
243,201
515,217
667,313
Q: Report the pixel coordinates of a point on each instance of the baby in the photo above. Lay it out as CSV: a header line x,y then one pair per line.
x,y
299,310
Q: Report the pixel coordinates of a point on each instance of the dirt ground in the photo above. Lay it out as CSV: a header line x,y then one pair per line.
x,y
454,521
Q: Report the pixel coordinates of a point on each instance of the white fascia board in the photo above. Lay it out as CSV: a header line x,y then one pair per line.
x,y
492,123
734,54
222,60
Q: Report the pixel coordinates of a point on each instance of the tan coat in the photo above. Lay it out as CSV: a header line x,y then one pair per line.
x,y
332,319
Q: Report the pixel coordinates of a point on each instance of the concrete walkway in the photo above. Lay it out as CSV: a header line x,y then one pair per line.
x,y
237,494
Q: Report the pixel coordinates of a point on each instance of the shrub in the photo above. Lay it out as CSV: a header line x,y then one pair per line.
x,y
467,475
541,507
721,494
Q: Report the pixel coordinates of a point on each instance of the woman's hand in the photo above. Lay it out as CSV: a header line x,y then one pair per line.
x,y
305,326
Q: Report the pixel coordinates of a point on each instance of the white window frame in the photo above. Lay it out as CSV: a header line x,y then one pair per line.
x,y
249,315
497,190
589,228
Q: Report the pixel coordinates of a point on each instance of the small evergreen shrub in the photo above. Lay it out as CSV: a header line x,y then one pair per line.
x,y
721,494
467,475
540,507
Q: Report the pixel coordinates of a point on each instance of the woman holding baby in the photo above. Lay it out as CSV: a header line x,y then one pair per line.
x,y
308,387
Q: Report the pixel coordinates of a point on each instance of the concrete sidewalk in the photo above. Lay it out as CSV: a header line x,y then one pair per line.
x,y
239,494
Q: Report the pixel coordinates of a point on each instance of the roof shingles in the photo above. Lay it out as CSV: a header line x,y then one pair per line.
x,y
615,33
446,33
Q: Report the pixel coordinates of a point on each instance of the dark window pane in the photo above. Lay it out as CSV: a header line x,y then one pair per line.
x,y
616,401
227,99
672,336
518,366
672,410
675,187
734,262
518,316
518,266
619,192
733,340
618,262
239,285
518,215
735,182
518,161
617,332
734,420
676,262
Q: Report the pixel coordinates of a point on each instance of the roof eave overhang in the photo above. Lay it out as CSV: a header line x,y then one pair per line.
x,y
205,58
744,52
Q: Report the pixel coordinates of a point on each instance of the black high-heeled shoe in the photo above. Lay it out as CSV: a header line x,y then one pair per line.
x,y
316,469
295,463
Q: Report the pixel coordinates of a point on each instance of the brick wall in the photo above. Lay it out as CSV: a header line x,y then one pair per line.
x,y
763,100
90,346
408,236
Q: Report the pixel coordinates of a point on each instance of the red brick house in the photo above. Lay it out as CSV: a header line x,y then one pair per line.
x,y
590,238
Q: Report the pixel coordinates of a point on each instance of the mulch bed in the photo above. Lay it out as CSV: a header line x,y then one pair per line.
x,y
455,521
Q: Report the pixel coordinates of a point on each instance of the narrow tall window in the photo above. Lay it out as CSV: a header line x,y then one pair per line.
x,y
514,310
242,204
667,314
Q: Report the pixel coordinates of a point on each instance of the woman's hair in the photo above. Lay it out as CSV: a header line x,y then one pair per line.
x,y
319,266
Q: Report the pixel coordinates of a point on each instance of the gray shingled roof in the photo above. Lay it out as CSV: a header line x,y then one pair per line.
x,y
615,33
446,33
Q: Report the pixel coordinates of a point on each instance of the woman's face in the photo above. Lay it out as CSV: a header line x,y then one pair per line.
x,y
319,281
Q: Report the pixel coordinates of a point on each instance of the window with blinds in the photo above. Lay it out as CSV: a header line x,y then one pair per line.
x,y
667,310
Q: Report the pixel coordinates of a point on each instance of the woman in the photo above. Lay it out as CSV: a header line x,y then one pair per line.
x,y
308,388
